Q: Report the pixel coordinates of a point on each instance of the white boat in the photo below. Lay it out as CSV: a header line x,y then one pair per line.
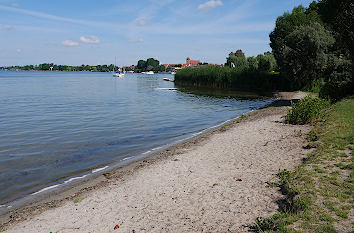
x,y
148,72
118,74
168,79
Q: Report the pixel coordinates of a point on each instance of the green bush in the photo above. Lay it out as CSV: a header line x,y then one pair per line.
x,y
306,110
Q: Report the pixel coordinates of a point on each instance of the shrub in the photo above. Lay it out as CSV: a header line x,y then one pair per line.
x,y
306,110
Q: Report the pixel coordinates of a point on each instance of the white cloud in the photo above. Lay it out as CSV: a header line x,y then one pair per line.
x,y
142,22
69,43
18,50
210,5
7,27
90,39
136,41
58,18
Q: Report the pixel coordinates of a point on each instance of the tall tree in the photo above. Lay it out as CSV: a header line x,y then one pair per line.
x,y
286,24
305,54
338,15
237,59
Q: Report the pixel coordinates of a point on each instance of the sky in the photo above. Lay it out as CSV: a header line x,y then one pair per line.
x,y
75,32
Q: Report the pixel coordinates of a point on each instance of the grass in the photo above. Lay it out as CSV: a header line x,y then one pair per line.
x,y
79,199
318,195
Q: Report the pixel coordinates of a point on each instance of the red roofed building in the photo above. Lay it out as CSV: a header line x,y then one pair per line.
x,y
190,62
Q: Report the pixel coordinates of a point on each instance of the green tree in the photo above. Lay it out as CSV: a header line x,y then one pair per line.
x,y
338,15
237,59
252,63
240,54
286,24
141,66
266,62
305,53
162,68
152,64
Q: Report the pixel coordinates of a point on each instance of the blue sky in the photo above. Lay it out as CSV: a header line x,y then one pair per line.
x,y
79,32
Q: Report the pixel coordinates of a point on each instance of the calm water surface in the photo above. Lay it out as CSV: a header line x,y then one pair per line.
x,y
55,125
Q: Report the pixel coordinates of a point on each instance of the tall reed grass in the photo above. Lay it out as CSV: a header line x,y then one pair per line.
x,y
241,78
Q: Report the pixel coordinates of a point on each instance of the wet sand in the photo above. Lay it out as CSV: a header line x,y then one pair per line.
x,y
217,182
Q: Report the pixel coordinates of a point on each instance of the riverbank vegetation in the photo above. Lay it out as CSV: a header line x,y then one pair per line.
x,y
307,110
312,49
239,72
318,195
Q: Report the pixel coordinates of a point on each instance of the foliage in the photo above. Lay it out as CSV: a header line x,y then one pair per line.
x,y
286,24
252,63
239,78
266,62
339,80
305,53
320,190
54,67
239,73
306,110
150,64
314,46
234,61
237,59
338,15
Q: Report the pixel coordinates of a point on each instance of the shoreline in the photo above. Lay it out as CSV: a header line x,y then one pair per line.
x,y
86,187
82,183
69,182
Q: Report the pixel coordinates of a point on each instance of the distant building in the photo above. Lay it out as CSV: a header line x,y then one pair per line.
x,y
191,63
169,65
128,68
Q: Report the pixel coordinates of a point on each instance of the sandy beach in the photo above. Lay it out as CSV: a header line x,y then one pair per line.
x,y
217,182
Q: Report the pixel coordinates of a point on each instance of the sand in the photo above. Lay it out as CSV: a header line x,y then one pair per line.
x,y
214,184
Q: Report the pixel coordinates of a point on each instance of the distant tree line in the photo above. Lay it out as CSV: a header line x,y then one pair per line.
x,y
54,67
150,64
312,48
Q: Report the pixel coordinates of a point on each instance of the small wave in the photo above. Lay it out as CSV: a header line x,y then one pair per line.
x,y
45,189
99,169
74,178
127,158
147,152
166,88
157,148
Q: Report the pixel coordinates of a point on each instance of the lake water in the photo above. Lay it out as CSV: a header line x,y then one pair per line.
x,y
58,125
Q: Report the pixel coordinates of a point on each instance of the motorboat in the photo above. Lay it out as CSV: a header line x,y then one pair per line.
x,y
168,79
148,72
118,74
